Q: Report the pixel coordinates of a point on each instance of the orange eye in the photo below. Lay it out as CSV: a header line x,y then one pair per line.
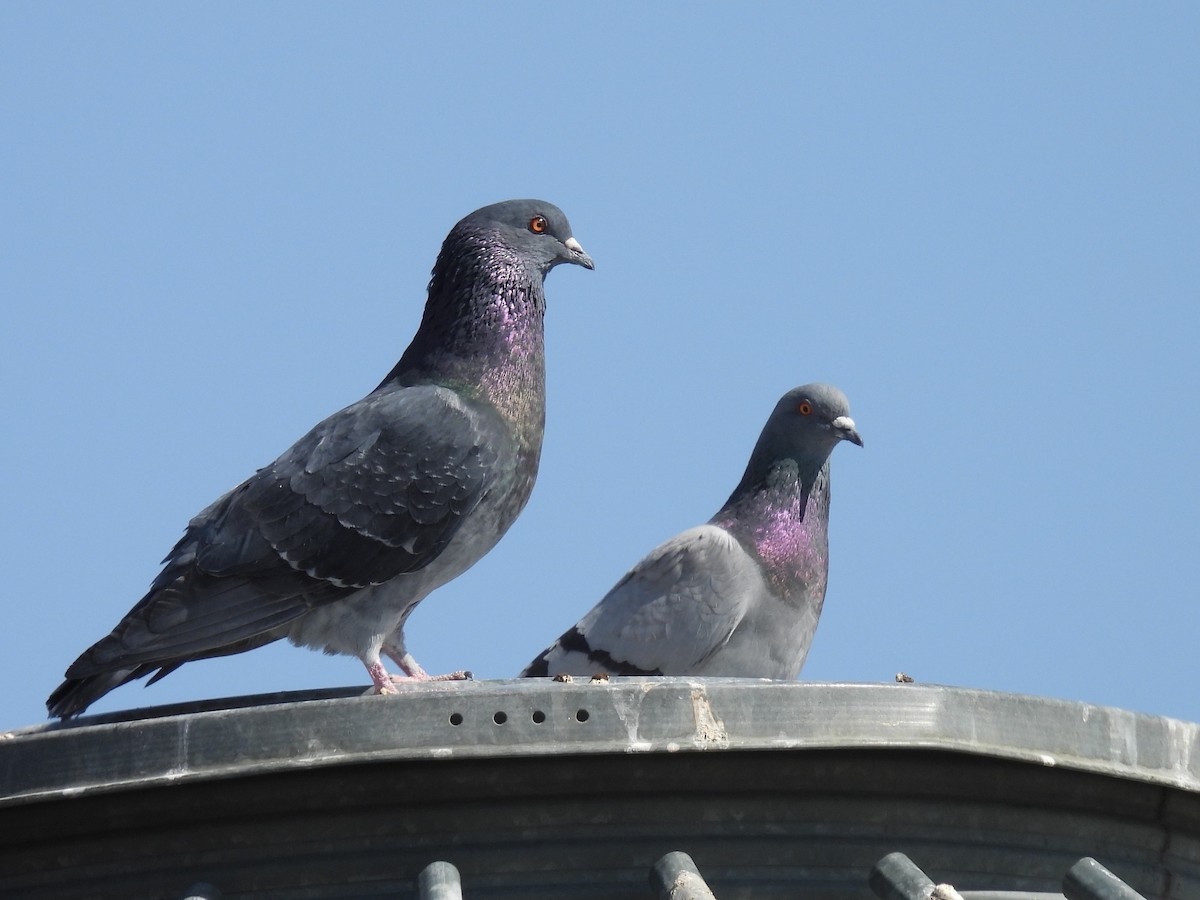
x,y
538,225
805,408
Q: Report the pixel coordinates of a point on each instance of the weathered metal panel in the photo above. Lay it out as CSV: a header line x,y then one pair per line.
x,y
774,789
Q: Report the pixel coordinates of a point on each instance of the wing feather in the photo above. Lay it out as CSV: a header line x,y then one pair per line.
x,y
372,492
676,607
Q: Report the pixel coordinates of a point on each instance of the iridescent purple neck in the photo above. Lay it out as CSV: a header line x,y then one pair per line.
x,y
482,331
786,527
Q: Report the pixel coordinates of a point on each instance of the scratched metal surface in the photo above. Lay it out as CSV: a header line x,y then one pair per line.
x,y
540,790
623,715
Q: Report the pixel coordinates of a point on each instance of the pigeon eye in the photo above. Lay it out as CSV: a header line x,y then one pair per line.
x,y
538,225
805,408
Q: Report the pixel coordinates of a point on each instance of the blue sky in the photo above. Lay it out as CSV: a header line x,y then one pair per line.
x,y
980,221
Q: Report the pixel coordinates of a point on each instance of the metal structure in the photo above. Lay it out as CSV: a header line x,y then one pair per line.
x,y
895,877
535,789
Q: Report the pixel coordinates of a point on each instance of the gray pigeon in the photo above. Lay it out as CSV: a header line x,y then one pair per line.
x,y
335,543
741,595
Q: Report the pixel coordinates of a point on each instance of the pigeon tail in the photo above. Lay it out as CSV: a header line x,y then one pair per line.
x,y
75,695
576,642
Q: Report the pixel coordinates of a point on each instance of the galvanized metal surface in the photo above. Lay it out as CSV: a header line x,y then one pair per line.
x,y
896,877
1088,880
465,720
439,881
675,877
540,790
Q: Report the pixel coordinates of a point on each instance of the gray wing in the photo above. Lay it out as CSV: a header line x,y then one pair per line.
x,y
376,490
669,614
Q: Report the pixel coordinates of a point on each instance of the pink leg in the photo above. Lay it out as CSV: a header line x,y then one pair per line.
x,y
380,678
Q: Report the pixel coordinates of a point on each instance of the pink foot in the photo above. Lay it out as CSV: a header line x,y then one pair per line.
x,y
460,675
414,672
380,678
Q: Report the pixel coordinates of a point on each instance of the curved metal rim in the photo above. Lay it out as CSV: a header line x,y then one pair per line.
x,y
531,717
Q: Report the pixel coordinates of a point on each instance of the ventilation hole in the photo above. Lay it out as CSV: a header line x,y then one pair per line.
x,y
538,717
456,718
500,718
582,716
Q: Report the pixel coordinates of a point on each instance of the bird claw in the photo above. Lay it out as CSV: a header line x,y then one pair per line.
x,y
414,672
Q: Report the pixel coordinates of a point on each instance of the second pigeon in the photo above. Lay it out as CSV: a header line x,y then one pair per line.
x,y
741,595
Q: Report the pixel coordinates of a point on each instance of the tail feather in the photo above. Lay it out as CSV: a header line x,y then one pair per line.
x,y
571,654
75,695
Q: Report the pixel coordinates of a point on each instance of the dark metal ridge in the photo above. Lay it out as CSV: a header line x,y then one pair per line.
x,y
532,717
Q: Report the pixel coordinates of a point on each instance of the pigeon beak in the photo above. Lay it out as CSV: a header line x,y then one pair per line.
x,y
577,255
843,427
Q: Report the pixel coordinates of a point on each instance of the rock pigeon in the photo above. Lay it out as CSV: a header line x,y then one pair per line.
x,y
741,595
335,543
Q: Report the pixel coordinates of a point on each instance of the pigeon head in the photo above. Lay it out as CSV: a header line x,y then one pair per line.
x,y
534,229
810,420
486,298
807,423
